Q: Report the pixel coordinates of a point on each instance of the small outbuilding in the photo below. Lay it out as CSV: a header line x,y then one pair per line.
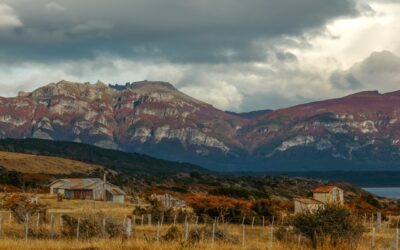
x,y
302,205
329,194
87,189
168,201
322,195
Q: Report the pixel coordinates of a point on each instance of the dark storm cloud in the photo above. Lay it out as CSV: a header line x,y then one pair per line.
x,y
174,30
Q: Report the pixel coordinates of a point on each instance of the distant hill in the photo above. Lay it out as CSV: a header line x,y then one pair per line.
x,y
251,114
38,164
126,163
356,132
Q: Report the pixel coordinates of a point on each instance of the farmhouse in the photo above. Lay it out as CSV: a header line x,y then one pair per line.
x,y
321,195
87,189
329,194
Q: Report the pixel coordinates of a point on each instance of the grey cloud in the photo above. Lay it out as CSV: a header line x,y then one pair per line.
x,y
54,7
381,70
175,30
8,17
286,56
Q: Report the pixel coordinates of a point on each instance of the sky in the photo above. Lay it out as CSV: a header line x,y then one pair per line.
x,y
236,55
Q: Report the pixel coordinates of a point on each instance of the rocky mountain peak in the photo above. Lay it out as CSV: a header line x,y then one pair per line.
x,y
155,118
158,90
74,90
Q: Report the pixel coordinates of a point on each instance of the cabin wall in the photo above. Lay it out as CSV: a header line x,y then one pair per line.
x,y
300,207
118,198
322,197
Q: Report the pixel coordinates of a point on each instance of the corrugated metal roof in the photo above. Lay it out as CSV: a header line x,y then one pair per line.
x,y
86,183
324,189
114,189
75,183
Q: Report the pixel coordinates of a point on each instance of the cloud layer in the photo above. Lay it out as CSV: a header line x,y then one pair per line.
x,y
237,55
8,18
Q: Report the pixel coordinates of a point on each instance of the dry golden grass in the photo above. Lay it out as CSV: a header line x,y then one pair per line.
x,y
34,164
144,237
81,207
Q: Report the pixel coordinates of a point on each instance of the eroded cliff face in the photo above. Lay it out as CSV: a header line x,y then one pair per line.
x,y
144,112
155,118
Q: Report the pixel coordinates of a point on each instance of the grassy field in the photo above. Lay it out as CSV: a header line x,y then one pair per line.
x,y
152,236
36,164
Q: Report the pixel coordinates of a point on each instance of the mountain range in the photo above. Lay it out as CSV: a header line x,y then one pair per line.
x,y
355,132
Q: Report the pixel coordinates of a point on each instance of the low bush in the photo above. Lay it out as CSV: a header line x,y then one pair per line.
x,y
21,205
330,222
90,227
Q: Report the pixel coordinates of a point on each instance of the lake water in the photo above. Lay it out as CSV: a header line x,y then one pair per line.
x,y
389,192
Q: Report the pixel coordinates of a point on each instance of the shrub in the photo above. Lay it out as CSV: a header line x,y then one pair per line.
x,y
227,209
264,207
158,211
173,234
90,227
331,222
21,205
238,193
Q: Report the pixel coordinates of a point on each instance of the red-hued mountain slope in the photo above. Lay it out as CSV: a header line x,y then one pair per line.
x,y
359,131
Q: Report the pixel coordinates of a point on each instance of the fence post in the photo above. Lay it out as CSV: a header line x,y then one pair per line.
x,y
213,234
272,232
243,235
372,219
244,217
149,219
9,218
158,231
186,219
26,226
103,228
378,220
365,219
128,227
373,238
1,223
197,220
77,229
299,241
162,218
61,222
38,221
263,222
134,220
175,219
252,223
52,226
186,231
142,220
